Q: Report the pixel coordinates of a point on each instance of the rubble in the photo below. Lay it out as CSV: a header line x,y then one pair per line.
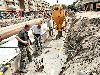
x,y
83,47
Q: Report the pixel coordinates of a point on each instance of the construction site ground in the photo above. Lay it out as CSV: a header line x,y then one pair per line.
x,y
53,58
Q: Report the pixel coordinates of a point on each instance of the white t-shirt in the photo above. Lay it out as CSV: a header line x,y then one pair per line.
x,y
50,23
36,30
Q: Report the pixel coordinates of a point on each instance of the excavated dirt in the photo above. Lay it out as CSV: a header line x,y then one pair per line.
x,y
82,46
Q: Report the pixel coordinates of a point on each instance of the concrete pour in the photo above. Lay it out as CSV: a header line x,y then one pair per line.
x,y
53,59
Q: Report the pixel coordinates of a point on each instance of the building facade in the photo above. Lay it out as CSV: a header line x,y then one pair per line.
x,y
93,5
24,6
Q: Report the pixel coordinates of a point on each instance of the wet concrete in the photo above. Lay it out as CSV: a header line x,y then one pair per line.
x,y
52,60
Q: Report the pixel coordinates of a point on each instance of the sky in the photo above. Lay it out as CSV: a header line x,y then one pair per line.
x,y
67,2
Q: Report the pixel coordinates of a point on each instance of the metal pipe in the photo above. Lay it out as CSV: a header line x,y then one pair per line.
x,y
12,30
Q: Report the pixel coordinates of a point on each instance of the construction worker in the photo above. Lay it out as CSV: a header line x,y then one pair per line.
x,y
50,25
36,29
23,42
